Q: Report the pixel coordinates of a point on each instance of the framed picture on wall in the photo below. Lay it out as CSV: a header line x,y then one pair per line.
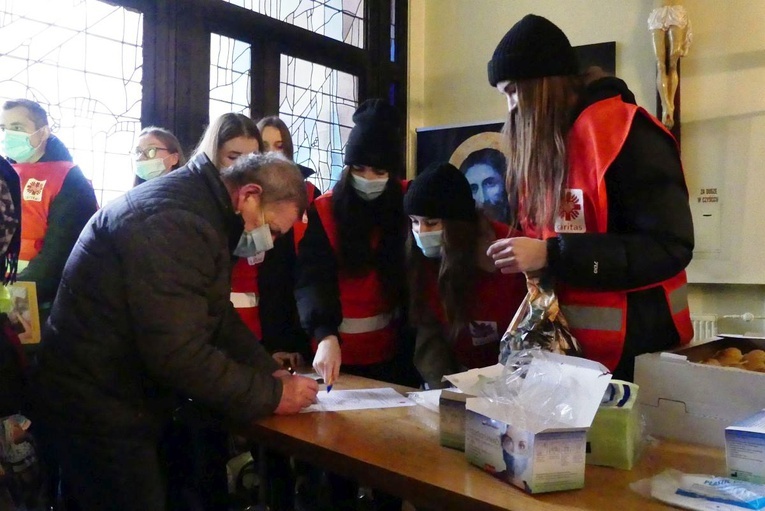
x,y
477,149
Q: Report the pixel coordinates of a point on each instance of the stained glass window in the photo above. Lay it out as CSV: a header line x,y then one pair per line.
x,y
81,60
342,20
317,103
229,76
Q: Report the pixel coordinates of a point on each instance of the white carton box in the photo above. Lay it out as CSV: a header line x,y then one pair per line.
x,y
745,449
520,447
685,400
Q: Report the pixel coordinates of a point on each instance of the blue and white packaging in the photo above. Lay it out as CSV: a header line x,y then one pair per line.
x,y
518,445
745,448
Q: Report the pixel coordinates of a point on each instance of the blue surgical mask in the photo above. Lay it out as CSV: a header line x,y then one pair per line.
x,y
149,169
429,242
18,146
255,241
368,189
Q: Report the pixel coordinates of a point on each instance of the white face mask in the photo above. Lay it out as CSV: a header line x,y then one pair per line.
x,y
429,242
255,241
149,169
368,189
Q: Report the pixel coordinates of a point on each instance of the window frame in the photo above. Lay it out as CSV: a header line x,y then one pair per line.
x,y
176,47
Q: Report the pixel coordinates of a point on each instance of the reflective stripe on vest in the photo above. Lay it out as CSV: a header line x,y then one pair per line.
x,y
678,299
244,300
364,325
586,317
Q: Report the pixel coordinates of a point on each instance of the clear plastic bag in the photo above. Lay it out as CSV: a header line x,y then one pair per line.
x,y
538,391
538,323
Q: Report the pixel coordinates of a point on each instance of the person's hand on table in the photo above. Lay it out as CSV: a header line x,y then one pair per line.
x,y
515,255
297,392
327,360
290,361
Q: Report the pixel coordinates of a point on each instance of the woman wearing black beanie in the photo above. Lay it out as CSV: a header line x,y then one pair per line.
x,y
351,278
460,304
601,197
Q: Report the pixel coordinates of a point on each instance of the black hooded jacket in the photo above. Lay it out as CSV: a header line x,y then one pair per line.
x,y
650,231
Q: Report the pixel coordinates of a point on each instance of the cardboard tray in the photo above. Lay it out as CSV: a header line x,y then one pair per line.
x,y
685,400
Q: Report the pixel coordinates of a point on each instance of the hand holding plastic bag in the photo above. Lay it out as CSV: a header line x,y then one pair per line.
x,y
538,323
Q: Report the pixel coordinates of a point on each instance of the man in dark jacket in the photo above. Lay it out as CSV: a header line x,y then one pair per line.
x,y
142,322
57,200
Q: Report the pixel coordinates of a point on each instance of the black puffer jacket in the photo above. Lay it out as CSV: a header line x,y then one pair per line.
x,y
650,231
143,319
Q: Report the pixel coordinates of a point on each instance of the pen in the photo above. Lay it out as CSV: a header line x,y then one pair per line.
x,y
329,387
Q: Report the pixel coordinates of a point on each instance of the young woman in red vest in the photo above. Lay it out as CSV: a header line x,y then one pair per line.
x,y
351,276
277,138
460,304
600,196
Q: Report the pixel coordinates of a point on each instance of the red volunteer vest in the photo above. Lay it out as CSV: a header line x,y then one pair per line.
x,y
245,295
301,225
368,330
40,183
598,319
495,299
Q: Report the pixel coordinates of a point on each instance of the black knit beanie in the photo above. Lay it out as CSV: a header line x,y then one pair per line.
x,y
374,140
441,191
533,48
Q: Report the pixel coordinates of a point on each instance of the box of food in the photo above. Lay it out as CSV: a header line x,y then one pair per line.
x,y
745,448
692,394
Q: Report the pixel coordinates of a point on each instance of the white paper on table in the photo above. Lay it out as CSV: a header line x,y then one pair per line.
x,y
430,399
361,399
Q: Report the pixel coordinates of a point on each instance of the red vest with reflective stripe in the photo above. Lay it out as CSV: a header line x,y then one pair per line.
x,y
40,183
245,294
300,226
598,319
360,297
494,301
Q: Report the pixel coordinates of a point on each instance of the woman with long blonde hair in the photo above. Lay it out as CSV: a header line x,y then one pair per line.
x,y
600,197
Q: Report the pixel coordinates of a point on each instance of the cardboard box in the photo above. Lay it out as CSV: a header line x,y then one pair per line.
x,y
615,437
451,419
452,403
685,400
521,446
745,448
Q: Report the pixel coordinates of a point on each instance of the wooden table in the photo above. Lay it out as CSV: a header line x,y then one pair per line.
x,y
396,450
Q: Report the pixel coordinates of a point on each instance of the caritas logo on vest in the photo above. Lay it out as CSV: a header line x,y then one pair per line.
x,y
571,216
33,190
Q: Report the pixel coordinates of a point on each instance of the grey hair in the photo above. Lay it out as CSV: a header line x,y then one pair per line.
x,y
279,177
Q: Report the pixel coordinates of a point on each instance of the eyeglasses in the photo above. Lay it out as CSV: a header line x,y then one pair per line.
x,y
149,153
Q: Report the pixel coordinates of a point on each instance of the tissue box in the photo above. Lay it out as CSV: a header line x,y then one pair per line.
x,y
614,439
745,449
535,453
451,424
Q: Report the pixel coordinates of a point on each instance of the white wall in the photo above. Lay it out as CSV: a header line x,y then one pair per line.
x,y
723,107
